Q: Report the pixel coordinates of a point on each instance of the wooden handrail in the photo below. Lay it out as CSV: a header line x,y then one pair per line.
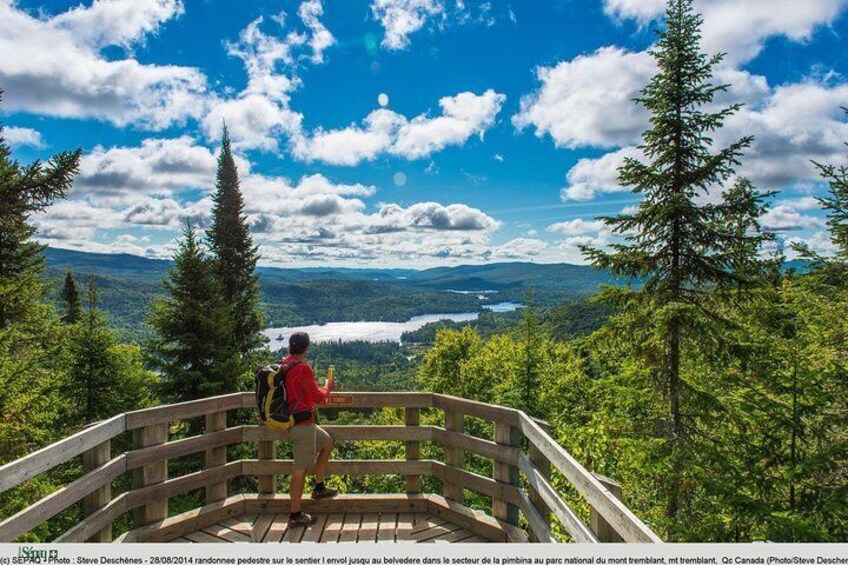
x,y
626,523
506,453
16,472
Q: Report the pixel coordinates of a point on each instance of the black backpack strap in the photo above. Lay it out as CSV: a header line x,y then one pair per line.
x,y
284,370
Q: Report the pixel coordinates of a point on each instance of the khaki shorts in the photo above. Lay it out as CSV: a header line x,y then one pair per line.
x,y
307,440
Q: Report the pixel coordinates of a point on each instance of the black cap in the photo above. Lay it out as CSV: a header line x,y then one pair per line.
x,y
298,342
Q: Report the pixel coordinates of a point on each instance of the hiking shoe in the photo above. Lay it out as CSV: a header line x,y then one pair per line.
x,y
303,519
325,492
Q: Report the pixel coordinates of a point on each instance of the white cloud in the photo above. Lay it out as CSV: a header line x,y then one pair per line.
x,y
386,132
588,101
22,137
401,18
260,114
463,115
787,218
818,241
741,28
55,65
802,203
577,227
255,121
792,125
321,38
520,248
158,167
353,144
590,177
117,22
155,187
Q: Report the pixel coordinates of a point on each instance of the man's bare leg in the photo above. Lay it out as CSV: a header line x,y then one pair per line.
x,y
321,462
298,479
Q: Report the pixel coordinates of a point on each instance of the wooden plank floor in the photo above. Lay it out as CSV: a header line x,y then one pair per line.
x,y
373,527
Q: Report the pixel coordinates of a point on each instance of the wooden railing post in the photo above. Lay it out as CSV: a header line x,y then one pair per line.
x,y
91,460
541,462
603,530
413,450
217,456
267,451
506,473
150,474
454,456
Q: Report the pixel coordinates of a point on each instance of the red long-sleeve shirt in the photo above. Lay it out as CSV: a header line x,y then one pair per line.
x,y
302,390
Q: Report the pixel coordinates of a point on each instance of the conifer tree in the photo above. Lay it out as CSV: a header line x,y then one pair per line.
x,y
103,377
676,245
836,204
832,271
234,252
28,339
193,347
71,298
25,190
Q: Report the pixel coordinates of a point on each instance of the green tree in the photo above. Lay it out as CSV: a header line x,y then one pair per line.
x,y
675,245
25,190
71,298
29,337
832,270
193,348
103,377
234,253
836,204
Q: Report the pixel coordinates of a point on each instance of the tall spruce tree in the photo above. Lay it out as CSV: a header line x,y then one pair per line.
x,y
25,190
71,298
234,252
677,244
193,347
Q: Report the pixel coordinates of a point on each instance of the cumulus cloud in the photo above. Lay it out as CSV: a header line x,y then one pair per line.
x,y
741,28
155,187
787,218
792,124
402,18
520,248
22,137
55,65
588,101
386,132
577,226
590,177
157,167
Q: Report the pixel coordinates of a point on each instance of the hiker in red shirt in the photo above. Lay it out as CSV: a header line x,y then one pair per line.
x,y
311,444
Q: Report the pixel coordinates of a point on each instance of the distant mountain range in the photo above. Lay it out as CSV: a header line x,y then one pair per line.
x,y
128,285
297,296
493,276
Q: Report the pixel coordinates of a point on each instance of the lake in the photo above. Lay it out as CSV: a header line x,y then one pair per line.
x,y
376,331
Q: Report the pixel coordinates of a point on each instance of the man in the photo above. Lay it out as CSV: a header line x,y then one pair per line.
x,y
311,445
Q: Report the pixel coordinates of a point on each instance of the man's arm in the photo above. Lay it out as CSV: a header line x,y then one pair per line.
x,y
311,389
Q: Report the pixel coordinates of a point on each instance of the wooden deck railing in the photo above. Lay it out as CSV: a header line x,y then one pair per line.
x,y
151,488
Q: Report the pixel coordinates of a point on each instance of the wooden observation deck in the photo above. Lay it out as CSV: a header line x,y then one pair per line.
x,y
524,501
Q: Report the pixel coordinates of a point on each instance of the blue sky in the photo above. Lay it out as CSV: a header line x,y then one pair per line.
x,y
398,132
